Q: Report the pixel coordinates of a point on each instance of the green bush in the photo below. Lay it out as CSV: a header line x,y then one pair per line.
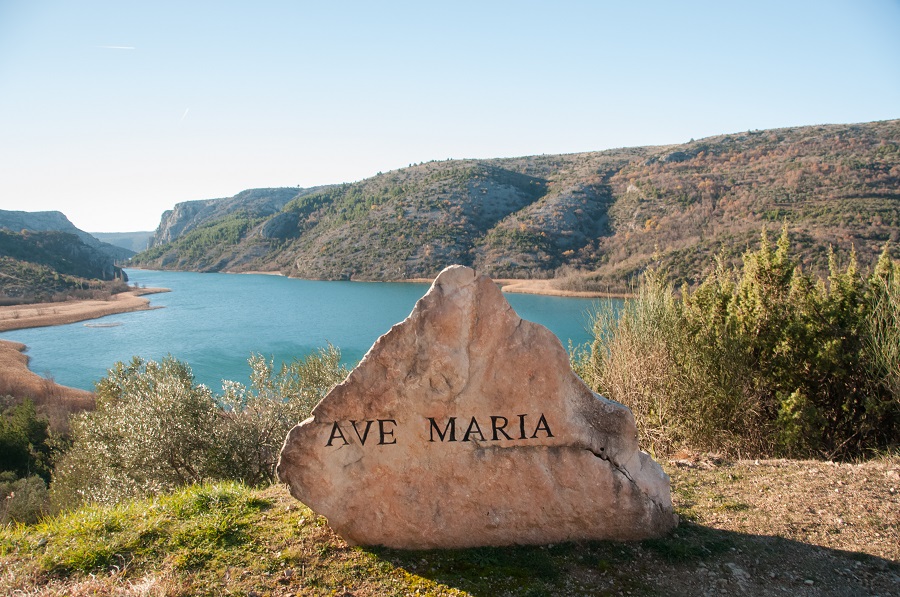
x,y
764,359
882,343
151,431
154,429
681,393
24,442
251,430
22,500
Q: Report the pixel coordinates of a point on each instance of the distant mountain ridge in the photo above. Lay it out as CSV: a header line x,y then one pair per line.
x,y
594,219
133,241
48,221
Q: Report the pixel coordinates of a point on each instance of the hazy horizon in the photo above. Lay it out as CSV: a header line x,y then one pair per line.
x,y
114,112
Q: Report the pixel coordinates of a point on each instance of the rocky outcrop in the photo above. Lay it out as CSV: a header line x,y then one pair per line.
x,y
252,203
465,426
38,221
178,220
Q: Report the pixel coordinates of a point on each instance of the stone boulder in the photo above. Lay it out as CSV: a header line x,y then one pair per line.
x,y
465,426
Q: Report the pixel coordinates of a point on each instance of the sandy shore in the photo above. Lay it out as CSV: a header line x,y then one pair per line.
x,y
529,286
55,402
515,285
16,317
546,287
16,379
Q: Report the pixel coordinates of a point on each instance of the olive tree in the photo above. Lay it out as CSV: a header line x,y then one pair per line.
x,y
154,429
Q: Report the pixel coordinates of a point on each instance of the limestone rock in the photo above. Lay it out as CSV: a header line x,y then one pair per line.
x,y
464,426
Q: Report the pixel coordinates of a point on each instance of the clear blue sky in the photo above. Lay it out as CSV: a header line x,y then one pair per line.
x,y
113,111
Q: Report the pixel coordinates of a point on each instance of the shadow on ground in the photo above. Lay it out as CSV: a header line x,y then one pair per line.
x,y
694,560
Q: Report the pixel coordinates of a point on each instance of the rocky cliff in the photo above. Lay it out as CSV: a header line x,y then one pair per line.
x,y
188,215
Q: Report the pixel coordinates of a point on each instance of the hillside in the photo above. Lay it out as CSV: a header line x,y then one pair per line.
x,y
55,221
593,220
51,266
187,216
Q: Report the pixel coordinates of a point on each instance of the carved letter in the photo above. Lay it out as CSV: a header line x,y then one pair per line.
x,y
477,429
451,425
499,428
383,432
542,424
335,433
362,438
522,426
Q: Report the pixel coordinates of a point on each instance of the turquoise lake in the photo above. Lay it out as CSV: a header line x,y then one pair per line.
x,y
214,322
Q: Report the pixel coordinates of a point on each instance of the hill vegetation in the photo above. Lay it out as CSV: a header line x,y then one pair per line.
x,y
592,220
54,221
53,266
45,258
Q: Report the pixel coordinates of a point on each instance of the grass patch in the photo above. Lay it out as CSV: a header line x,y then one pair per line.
x,y
226,539
733,506
187,527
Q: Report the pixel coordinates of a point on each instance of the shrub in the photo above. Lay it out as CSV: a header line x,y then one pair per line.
x,y
764,359
256,420
681,393
22,500
882,346
154,429
24,442
151,431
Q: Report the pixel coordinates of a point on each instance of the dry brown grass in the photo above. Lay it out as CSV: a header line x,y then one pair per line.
x,y
16,317
846,506
51,400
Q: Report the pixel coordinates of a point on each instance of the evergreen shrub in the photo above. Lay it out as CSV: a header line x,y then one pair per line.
x,y
758,360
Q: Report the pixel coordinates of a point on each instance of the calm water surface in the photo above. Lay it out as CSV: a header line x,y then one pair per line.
x,y
214,322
